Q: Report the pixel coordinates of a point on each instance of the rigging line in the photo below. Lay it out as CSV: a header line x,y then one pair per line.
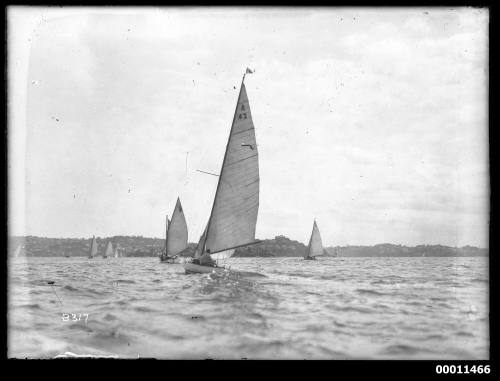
x,y
51,285
208,173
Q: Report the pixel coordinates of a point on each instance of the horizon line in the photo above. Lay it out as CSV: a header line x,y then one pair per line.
x,y
346,245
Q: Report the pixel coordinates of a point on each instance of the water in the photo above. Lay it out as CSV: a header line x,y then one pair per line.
x,y
332,308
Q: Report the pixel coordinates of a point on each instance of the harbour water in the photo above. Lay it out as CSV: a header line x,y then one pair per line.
x,y
332,308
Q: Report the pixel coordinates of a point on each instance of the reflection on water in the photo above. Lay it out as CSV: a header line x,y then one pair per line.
x,y
333,308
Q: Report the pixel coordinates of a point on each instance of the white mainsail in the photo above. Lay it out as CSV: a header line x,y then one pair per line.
x,y
93,248
117,255
17,252
234,212
109,250
221,255
315,246
177,233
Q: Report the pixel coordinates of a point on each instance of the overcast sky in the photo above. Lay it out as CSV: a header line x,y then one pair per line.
x,y
373,121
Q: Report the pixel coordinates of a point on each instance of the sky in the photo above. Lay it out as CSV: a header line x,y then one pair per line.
x,y
373,121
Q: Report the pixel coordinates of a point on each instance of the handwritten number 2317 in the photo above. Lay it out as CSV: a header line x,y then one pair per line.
x,y
74,317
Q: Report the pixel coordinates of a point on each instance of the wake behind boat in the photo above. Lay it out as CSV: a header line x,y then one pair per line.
x,y
233,217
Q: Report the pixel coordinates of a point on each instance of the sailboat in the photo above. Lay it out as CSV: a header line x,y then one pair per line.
x,y
233,217
93,248
17,252
117,254
176,235
109,250
315,246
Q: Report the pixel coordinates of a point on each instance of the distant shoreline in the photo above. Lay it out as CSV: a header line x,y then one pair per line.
x,y
280,246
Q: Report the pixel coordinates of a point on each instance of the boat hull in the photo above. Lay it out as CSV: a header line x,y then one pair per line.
x,y
192,268
310,258
168,260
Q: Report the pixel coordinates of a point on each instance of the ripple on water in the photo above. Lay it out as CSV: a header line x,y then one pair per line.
x,y
363,310
110,317
480,280
354,307
144,309
80,327
70,288
400,350
30,306
464,334
369,292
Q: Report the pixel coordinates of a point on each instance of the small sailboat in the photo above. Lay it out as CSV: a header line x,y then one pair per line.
x,y
93,248
117,254
17,252
109,250
315,246
233,217
176,235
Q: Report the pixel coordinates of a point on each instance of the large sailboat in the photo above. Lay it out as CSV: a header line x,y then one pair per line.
x,y
93,248
233,217
315,246
109,250
176,235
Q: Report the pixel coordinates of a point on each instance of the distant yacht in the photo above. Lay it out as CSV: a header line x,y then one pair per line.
x,y
176,235
93,248
315,246
109,250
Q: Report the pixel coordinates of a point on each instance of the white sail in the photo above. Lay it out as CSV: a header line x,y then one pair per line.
x,y
93,248
315,246
221,255
109,250
17,252
177,236
199,248
116,253
234,212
